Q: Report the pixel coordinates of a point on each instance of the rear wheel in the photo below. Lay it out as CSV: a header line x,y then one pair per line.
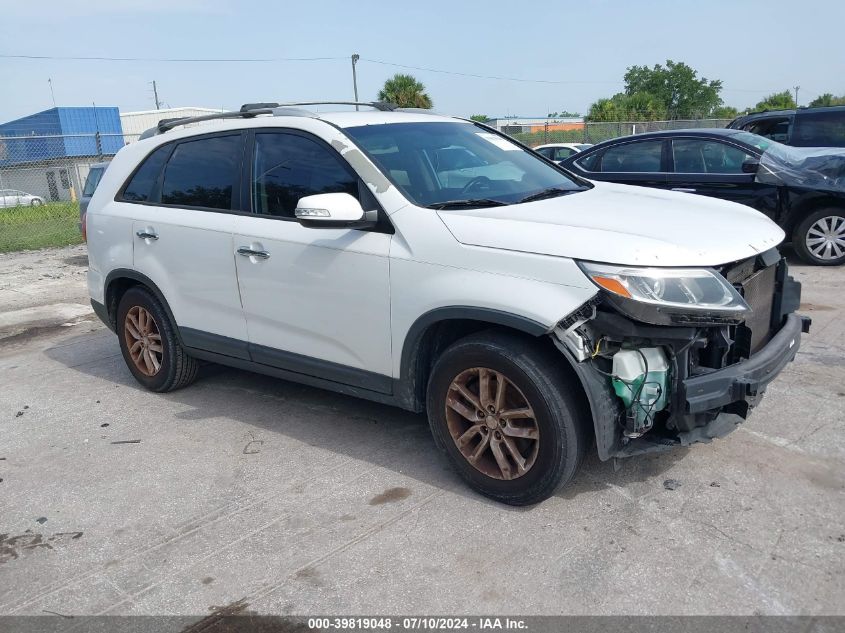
x,y
820,238
36,202
507,417
149,345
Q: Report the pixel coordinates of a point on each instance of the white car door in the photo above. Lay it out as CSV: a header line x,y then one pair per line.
x,y
182,231
317,301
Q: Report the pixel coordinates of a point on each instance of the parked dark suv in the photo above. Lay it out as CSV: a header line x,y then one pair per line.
x,y
803,127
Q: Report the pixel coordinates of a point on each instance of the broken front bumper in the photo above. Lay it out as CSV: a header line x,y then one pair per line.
x,y
747,380
705,405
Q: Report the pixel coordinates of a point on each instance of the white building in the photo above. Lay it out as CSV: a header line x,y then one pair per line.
x,y
533,124
134,123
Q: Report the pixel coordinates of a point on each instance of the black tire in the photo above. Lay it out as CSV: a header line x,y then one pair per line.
x,y
808,229
560,416
175,369
35,202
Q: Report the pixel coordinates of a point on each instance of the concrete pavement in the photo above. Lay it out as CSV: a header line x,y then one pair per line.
x,y
293,500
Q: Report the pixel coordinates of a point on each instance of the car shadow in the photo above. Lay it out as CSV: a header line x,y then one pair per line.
x,y
382,435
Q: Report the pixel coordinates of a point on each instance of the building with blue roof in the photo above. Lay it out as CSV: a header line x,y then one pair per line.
x,y
47,154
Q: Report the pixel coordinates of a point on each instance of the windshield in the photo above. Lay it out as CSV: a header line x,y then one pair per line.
x,y
437,163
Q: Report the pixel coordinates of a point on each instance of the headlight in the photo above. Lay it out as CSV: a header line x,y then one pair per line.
x,y
669,295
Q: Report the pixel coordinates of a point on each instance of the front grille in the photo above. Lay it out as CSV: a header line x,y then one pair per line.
x,y
758,290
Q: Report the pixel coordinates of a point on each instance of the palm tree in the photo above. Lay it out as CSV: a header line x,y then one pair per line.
x,y
405,91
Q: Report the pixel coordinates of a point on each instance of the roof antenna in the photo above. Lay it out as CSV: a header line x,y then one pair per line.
x,y
50,81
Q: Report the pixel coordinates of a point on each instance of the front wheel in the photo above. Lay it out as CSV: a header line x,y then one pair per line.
x,y
510,421
820,238
36,202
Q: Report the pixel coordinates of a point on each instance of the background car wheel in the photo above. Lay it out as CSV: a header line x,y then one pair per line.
x,y
149,345
36,202
820,238
507,417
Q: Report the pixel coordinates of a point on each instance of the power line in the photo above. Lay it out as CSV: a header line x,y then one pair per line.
x,y
459,74
172,59
318,59
293,59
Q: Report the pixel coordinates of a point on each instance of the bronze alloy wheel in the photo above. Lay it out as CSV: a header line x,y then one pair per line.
x,y
143,340
492,423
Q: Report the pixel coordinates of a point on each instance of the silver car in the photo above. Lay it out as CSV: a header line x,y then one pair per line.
x,y
14,198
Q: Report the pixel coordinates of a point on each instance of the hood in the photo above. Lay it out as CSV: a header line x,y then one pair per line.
x,y
620,224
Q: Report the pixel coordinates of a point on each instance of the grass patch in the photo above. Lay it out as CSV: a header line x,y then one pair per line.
x,y
29,228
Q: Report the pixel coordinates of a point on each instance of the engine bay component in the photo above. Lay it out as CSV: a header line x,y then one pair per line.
x,y
641,379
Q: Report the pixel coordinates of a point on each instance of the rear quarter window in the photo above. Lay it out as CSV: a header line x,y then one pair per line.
x,y
140,185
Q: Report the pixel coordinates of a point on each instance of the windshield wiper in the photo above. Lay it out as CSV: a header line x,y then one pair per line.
x,y
476,203
553,192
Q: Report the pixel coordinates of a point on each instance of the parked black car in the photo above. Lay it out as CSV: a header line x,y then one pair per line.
x,y
801,127
802,189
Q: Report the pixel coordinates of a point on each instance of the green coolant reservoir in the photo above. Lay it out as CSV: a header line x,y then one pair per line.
x,y
641,380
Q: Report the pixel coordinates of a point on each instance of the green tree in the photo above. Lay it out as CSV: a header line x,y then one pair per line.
x,y
640,106
724,112
644,106
405,91
605,110
677,88
481,118
777,101
827,99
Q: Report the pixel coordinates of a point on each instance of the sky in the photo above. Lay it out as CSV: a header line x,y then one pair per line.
x,y
755,47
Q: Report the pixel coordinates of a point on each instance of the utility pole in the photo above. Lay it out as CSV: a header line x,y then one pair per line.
x,y
355,59
155,95
796,94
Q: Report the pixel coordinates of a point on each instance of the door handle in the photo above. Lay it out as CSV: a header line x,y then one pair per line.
x,y
248,252
684,189
146,235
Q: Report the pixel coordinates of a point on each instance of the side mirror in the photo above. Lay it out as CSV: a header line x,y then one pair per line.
x,y
333,210
750,166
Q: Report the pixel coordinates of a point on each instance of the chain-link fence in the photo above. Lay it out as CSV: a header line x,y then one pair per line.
x,y
595,132
42,179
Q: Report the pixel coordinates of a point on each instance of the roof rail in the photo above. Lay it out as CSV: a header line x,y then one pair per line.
x,y
383,106
168,124
249,110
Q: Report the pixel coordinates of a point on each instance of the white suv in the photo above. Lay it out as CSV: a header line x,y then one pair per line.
x,y
435,264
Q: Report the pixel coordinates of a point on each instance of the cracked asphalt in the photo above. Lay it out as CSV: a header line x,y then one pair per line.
x,y
249,491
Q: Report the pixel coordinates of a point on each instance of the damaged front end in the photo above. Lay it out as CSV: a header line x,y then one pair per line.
x,y
675,357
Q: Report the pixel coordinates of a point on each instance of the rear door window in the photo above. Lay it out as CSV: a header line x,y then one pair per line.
x,y
638,157
202,173
562,153
819,129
